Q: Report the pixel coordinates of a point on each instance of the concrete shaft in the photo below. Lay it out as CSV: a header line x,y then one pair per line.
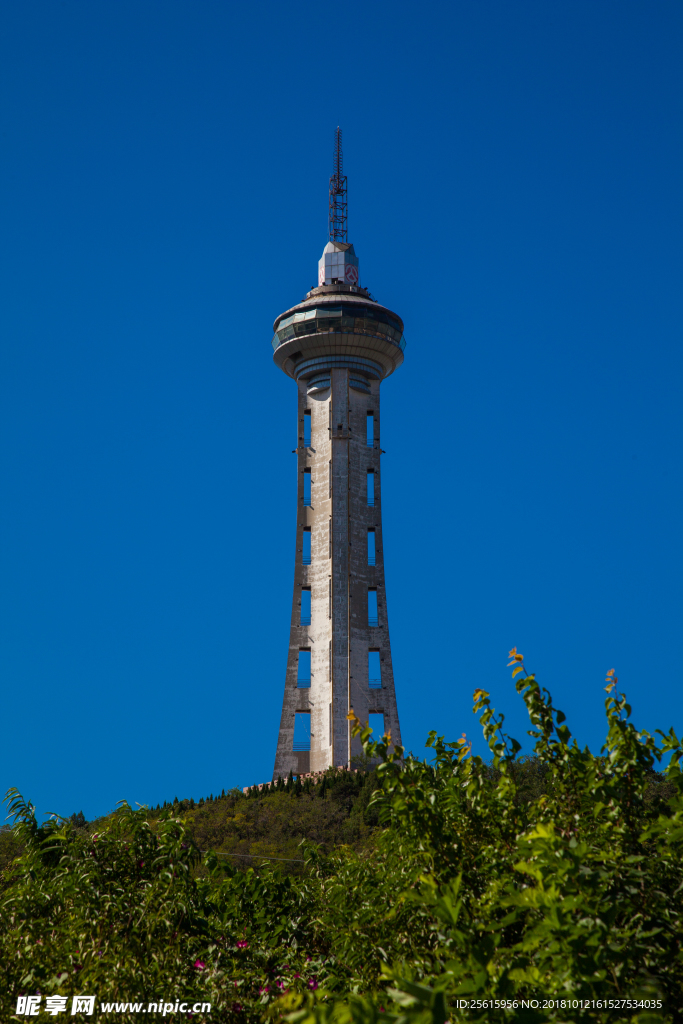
x,y
339,577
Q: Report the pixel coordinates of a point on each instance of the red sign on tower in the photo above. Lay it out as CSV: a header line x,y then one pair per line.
x,y
351,273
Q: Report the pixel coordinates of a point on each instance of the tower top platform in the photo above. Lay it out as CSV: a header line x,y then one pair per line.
x,y
329,294
338,325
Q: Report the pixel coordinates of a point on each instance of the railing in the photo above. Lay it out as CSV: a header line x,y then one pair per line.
x,y
306,619
307,499
372,560
370,442
371,502
306,560
301,745
373,620
375,684
303,683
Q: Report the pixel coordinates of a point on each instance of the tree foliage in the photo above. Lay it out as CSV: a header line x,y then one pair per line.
x,y
527,889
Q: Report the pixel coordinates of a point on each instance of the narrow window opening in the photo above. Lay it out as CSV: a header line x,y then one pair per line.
x,y
376,723
374,671
329,662
372,560
306,549
330,725
371,429
329,538
307,429
329,600
302,731
330,476
303,672
371,488
372,607
306,606
307,487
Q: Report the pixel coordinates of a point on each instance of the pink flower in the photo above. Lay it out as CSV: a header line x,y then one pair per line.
x,y
242,944
200,965
264,991
297,975
313,984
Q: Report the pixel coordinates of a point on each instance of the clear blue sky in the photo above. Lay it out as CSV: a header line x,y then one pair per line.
x,y
515,194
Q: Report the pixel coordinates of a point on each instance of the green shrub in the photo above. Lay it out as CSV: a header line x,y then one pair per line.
x,y
554,879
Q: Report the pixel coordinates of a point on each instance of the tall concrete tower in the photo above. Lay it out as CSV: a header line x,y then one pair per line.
x,y
338,344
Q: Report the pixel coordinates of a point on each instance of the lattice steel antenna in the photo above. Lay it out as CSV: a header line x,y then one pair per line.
x,y
338,201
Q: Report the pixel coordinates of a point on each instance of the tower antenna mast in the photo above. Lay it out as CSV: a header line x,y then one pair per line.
x,y
338,201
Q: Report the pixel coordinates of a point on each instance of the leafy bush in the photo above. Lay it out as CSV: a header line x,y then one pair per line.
x,y
554,880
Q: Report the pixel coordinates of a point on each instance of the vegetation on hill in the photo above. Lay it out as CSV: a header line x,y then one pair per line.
x,y
332,813
266,824
548,889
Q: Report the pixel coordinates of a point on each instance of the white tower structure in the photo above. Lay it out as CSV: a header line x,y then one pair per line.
x,y
338,345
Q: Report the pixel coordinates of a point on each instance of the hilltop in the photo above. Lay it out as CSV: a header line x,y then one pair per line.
x,y
270,823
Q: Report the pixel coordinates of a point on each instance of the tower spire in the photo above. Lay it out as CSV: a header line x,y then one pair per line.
x,y
338,202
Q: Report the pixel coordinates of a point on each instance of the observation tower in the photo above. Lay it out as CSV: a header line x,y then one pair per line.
x,y
338,344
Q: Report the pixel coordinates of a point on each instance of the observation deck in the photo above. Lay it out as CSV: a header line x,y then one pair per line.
x,y
338,326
